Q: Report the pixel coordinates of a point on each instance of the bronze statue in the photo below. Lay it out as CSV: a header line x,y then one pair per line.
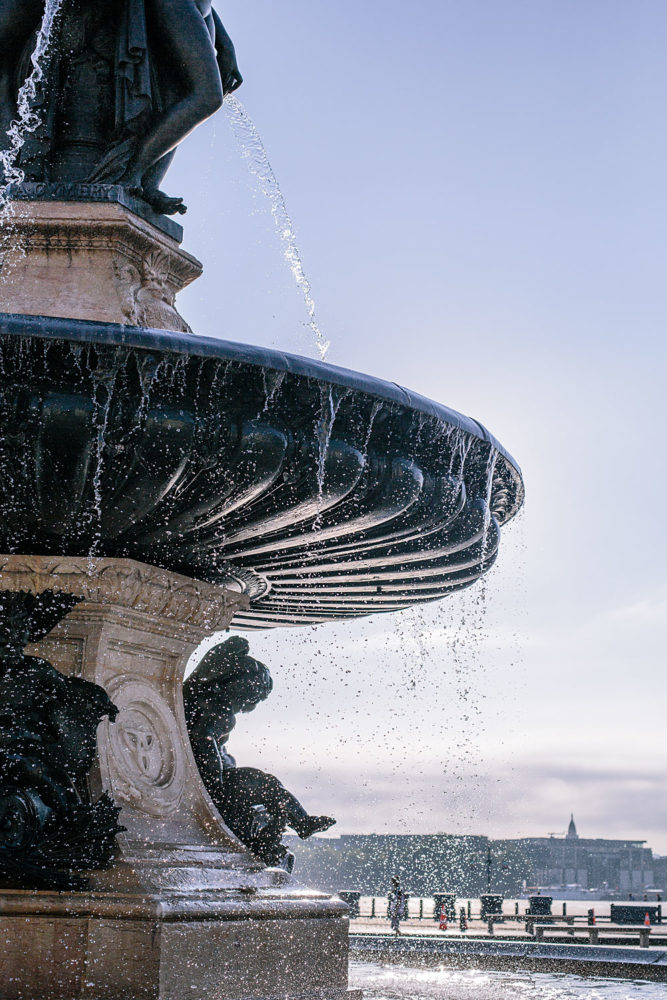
x,y
49,828
125,82
255,805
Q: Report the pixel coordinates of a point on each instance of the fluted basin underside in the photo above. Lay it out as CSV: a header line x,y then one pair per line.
x,y
321,493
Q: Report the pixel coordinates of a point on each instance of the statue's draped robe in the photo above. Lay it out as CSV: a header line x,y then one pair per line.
x,y
136,90
114,46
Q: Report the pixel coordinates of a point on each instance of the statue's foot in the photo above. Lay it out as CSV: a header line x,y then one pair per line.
x,y
162,203
314,824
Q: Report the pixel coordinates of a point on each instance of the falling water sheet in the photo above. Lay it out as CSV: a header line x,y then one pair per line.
x,y
27,120
253,150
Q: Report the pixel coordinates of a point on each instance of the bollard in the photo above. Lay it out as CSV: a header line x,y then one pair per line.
x,y
421,908
490,926
463,922
469,909
516,910
564,909
373,907
591,917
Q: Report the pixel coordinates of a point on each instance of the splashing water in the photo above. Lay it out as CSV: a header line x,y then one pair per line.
x,y
329,406
254,151
490,471
27,121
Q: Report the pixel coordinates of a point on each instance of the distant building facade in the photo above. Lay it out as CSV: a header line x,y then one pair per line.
x,y
466,864
595,863
426,863
660,873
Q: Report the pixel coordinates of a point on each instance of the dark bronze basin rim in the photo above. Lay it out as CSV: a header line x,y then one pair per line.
x,y
238,480
85,331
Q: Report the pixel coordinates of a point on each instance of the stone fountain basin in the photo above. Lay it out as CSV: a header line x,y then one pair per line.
x,y
318,492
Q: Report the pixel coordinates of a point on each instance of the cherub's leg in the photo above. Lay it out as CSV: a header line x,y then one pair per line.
x,y
185,43
283,804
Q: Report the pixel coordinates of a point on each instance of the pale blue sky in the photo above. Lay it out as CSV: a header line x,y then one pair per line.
x,y
479,192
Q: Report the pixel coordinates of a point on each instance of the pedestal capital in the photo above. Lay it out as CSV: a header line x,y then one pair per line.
x,y
92,260
126,584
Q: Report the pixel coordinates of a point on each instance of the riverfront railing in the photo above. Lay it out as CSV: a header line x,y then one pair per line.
x,y
569,922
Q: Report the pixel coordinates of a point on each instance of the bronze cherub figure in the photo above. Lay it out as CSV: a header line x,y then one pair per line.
x,y
256,806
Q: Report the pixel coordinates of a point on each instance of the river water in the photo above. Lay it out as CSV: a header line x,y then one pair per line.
x,y
396,982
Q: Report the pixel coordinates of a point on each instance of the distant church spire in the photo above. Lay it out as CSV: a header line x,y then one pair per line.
x,y
572,829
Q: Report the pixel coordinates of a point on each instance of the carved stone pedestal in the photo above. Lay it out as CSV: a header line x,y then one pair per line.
x,y
185,910
94,260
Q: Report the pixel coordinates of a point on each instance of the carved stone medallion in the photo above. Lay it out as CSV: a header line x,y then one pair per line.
x,y
146,762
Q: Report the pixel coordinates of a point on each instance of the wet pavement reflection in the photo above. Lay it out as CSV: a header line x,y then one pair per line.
x,y
396,982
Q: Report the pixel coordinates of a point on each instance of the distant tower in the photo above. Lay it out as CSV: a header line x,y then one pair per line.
x,y
572,830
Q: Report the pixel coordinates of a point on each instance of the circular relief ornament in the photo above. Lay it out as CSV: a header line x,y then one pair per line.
x,y
146,765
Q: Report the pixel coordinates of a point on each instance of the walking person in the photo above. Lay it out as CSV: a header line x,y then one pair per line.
x,y
398,901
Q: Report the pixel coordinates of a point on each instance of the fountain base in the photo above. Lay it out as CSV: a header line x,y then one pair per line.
x,y
125,946
184,909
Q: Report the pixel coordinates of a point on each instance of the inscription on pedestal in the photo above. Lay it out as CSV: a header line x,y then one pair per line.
x,y
113,193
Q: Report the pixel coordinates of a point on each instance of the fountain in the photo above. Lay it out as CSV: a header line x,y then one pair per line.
x,y
156,488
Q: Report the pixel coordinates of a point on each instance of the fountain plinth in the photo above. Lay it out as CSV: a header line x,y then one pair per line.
x,y
107,258
183,900
157,488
